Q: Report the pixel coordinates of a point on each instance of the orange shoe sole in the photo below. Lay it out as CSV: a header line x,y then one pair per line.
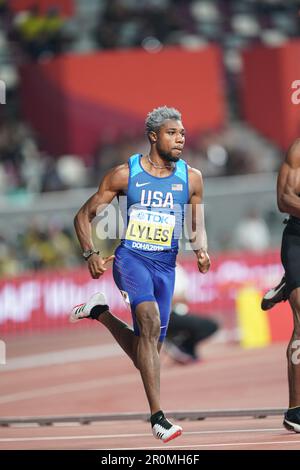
x,y
176,434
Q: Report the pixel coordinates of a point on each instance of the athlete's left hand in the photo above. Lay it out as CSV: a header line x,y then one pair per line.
x,y
203,261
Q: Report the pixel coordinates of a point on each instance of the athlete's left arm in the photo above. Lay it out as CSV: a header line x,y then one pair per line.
x,y
195,220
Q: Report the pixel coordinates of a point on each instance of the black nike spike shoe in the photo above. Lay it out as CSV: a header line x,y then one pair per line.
x,y
275,295
292,419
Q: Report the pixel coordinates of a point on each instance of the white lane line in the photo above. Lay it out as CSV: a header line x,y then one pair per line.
x,y
96,352
66,356
118,436
103,351
78,386
67,388
200,446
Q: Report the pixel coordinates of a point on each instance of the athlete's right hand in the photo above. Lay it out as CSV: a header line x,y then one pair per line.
x,y
97,265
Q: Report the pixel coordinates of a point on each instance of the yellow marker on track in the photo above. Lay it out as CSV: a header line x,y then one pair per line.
x,y
252,321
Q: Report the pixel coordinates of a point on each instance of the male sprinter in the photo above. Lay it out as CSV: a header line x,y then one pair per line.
x,y
288,200
157,187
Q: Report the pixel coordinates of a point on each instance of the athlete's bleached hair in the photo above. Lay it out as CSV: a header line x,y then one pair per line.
x,y
158,116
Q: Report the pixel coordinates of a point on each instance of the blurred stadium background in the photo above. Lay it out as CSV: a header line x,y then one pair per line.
x,y
80,77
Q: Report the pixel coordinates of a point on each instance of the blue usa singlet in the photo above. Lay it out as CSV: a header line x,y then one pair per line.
x,y
155,210
144,264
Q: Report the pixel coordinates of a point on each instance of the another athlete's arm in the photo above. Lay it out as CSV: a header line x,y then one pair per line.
x,y
288,182
112,184
196,225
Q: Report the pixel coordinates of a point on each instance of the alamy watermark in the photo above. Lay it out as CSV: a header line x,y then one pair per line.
x,y
296,353
2,352
156,224
2,92
295,97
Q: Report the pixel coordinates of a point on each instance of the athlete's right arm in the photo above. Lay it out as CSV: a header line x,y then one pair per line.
x,y
288,182
113,183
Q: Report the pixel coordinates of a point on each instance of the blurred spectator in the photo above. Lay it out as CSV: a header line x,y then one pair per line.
x,y
50,247
252,233
3,7
128,23
71,171
9,265
29,31
39,34
53,31
186,330
23,165
150,24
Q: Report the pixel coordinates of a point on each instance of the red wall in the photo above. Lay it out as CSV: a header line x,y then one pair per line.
x,y
73,101
266,91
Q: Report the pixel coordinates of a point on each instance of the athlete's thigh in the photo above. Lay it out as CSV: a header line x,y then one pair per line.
x,y
290,257
294,300
163,291
134,280
132,276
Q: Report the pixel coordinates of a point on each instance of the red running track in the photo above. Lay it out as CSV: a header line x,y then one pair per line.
x,y
84,371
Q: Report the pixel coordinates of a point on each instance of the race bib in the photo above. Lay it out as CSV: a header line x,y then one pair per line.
x,y
150,227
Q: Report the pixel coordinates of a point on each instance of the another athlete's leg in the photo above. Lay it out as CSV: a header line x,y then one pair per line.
x,y
292,416
147,353
292,351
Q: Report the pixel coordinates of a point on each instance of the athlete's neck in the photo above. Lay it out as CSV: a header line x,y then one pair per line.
x,y
157,166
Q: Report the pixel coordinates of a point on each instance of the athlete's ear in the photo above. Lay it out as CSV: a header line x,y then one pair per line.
x,y
152,137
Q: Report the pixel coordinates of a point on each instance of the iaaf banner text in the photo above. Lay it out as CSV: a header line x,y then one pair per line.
x,y
38,301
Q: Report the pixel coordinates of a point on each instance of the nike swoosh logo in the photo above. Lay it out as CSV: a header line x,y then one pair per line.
x,y
138,185
272,292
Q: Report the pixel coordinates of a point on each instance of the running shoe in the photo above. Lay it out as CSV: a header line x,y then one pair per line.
x,y
96,305
292,419
163,429
275,295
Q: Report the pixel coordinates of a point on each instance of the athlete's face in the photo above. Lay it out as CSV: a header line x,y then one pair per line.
x,y
170,140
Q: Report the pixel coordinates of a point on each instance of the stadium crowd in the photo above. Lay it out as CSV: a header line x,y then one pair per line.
x,y
25,166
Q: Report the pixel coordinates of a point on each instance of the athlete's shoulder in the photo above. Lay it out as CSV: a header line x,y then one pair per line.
x,y
194,174
117,177
293,155
195,181
119,171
